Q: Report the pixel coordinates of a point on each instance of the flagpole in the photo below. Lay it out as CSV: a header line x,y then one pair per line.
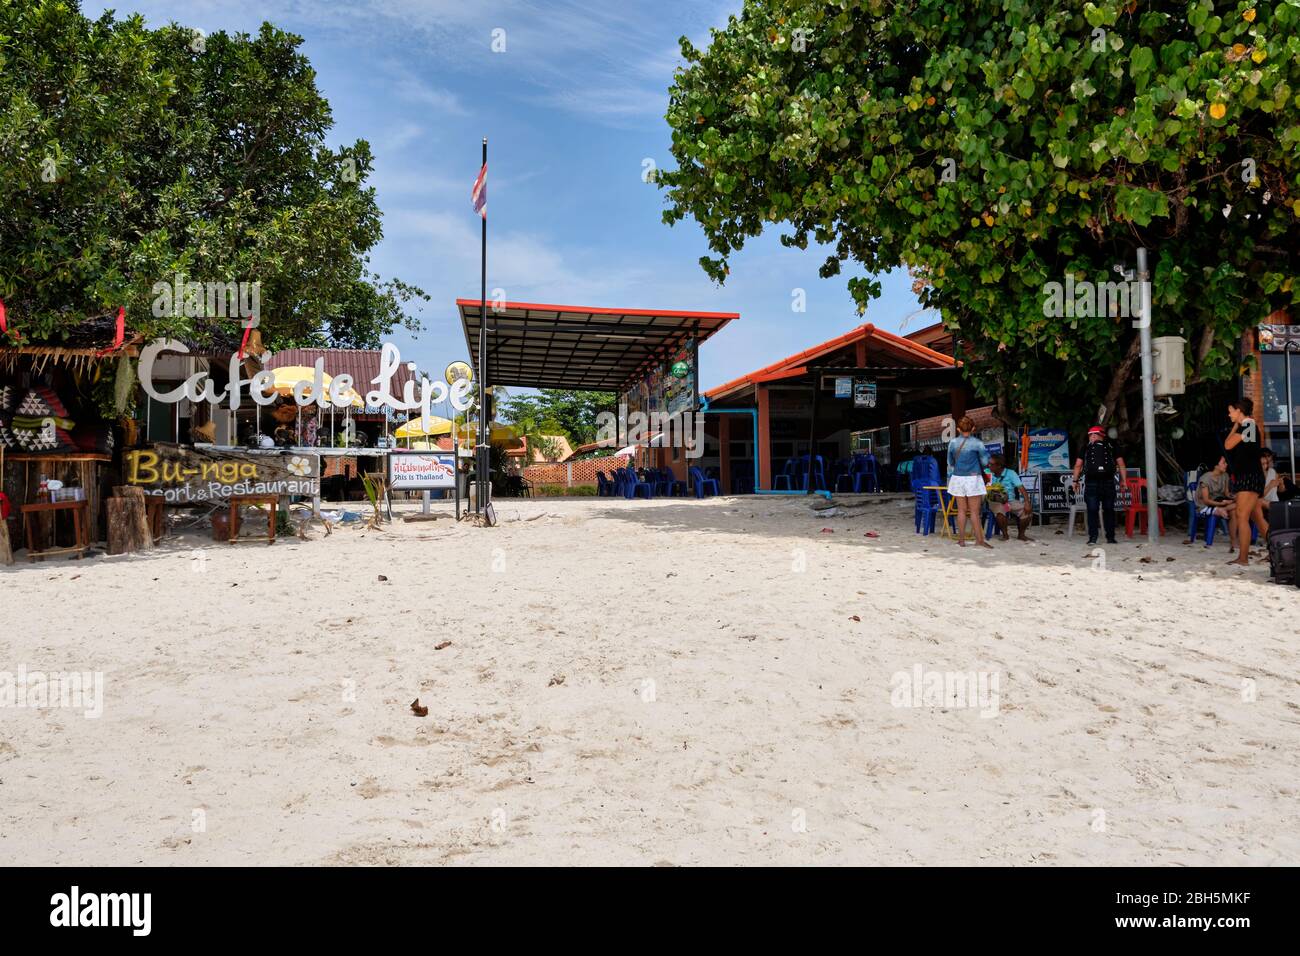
x,y
484,429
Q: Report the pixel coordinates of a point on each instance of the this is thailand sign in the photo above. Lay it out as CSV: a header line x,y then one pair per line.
x,y
421,470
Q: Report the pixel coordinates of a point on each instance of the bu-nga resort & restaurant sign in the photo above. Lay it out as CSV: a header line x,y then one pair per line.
x,y
182,474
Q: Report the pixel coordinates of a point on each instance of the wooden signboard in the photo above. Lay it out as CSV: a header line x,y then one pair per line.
x,y
182,474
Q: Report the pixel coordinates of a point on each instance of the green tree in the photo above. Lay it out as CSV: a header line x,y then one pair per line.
x,y
129,156
996,146
568,412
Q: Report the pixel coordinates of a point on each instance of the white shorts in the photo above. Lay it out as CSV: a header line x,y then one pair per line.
x,y
966,486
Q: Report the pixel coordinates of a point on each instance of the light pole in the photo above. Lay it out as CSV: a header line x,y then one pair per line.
x,y
1148,397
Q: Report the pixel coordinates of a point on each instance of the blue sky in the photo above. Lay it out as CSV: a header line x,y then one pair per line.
x,y
572,108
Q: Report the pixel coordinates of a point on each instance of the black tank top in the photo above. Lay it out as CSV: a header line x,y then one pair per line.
x,y
1245,457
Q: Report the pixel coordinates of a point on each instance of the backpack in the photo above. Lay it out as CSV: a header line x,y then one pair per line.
x,y
1282,545
1099,459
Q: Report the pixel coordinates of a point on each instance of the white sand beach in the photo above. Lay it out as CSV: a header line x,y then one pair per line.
x,y
654,683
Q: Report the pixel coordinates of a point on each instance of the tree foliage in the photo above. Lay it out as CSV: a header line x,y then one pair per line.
x,y
1072,134
568,412
130,155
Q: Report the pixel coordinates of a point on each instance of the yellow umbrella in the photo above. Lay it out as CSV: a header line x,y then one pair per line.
x,y
501,434
432,425
290,375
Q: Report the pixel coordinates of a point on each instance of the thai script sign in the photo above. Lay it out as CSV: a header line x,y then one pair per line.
x,y
421,470
1049,448
864,393
181,474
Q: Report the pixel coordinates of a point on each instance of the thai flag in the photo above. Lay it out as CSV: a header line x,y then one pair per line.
x,y
479,193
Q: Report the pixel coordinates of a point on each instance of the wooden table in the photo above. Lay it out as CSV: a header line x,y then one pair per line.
x,y
238,501
78,468
948,510
81,527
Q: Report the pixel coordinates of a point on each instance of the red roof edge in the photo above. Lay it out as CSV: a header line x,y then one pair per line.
x,y
604,310
868,331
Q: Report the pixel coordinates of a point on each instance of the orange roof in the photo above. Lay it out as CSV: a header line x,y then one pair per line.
x,y
912,352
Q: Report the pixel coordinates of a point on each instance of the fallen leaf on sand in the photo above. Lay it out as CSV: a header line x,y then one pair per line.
x,y
828,530
555,681
383,577
442,646
419,709
855,618
1146,559
871,534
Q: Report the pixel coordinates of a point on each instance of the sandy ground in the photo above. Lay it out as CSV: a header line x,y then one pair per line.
x,y
672,682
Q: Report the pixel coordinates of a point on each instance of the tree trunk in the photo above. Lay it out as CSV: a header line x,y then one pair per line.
x,y
128,522
6,552
1118,382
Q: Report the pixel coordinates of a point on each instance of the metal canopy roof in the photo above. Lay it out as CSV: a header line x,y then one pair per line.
x,y
533,345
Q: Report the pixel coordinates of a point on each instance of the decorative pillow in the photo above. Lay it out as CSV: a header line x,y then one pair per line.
x,y
40,423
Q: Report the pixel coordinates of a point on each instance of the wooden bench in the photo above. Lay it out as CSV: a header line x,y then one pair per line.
x,y
238,501
32,527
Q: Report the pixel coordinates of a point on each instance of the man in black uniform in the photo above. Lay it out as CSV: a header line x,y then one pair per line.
x,y
1099,464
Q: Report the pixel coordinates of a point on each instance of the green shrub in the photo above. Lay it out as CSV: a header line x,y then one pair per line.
x,y
562,491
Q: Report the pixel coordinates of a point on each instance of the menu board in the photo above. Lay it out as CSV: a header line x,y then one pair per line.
x,y
1279,338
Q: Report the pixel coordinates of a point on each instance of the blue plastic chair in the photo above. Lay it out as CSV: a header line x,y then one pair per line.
x,y
868,475
929,503
786,477
928,507
604,487
862,472
703,484
818,473
672,485
1212,526
632,485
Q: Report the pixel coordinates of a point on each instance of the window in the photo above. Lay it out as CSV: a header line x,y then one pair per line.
x,y
1272,367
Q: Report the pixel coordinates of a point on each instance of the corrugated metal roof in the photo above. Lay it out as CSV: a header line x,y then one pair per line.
x,y
361,364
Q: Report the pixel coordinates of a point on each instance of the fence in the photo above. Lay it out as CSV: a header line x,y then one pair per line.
x,y
570,474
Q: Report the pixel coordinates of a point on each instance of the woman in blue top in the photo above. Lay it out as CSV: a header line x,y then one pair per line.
x,y
967,459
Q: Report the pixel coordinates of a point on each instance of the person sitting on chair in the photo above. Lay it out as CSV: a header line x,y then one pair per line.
x,y
1014,498
1214,498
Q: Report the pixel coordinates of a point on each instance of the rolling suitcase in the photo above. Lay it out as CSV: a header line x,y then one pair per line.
x,y
1282,547
1284,514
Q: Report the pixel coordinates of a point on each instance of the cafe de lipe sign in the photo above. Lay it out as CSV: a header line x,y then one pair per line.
x,y
199,387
